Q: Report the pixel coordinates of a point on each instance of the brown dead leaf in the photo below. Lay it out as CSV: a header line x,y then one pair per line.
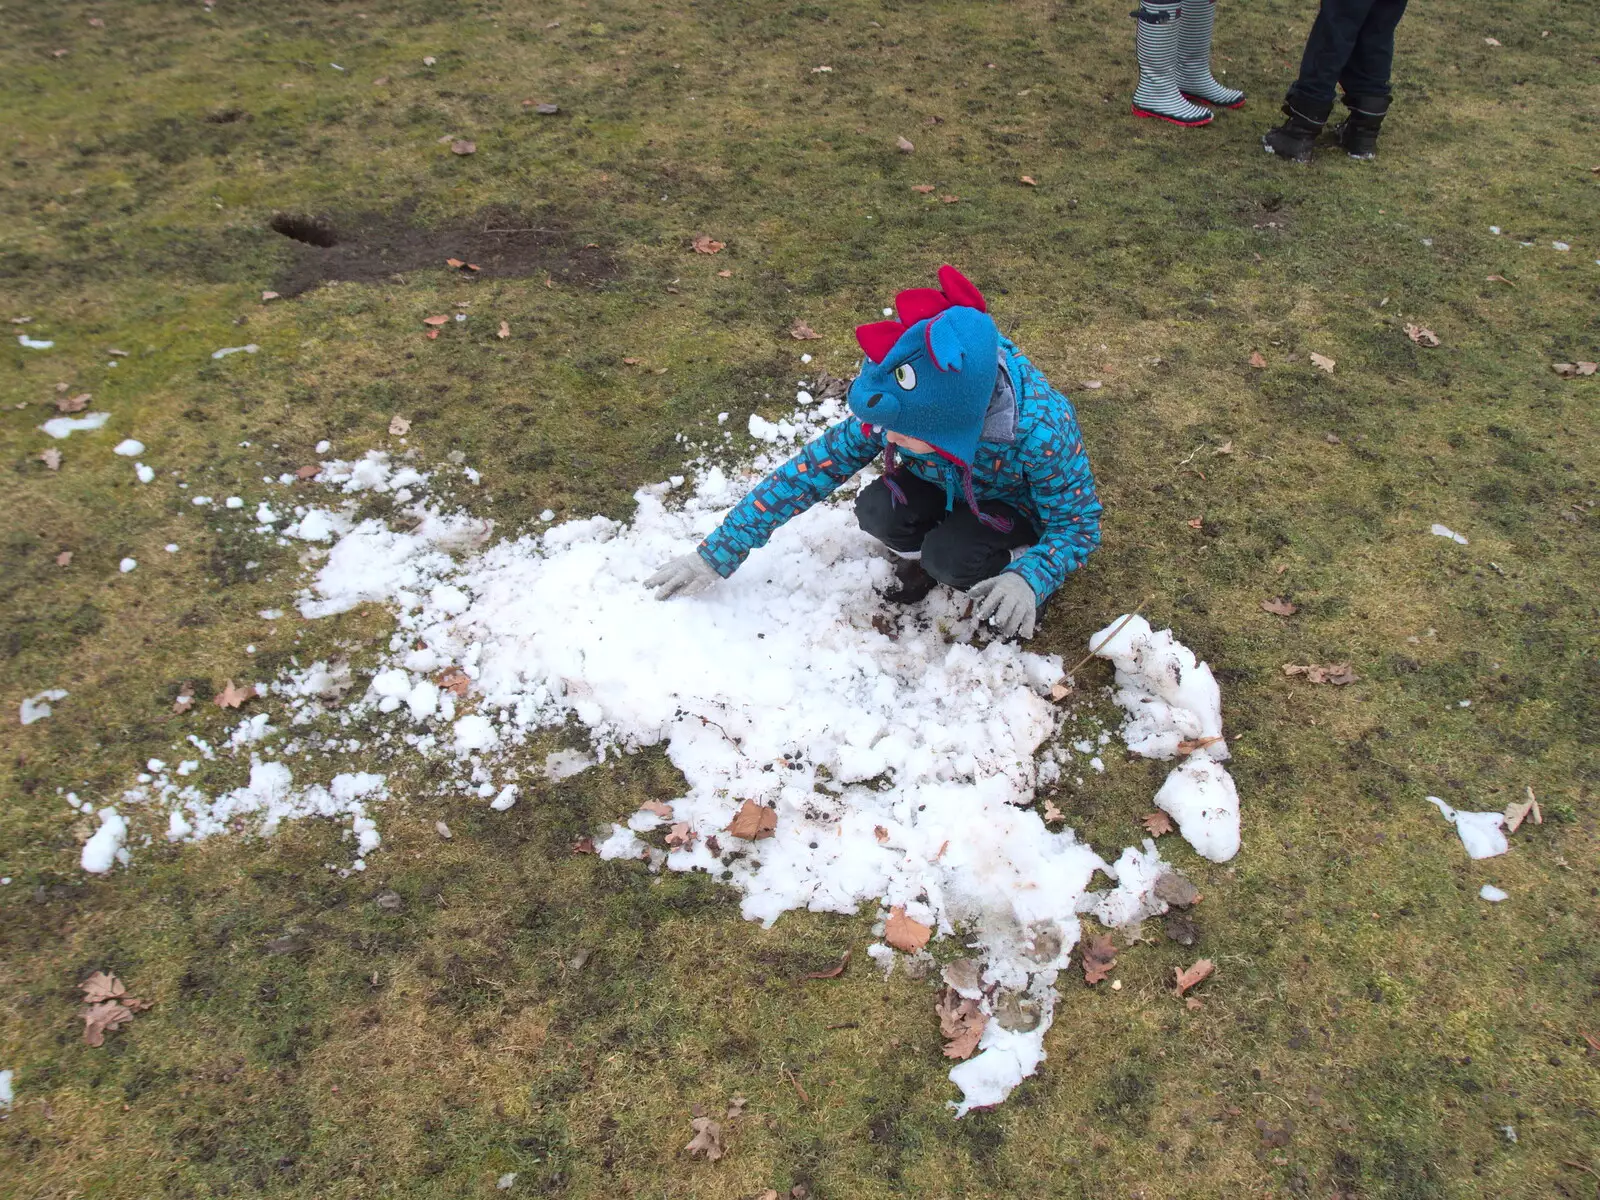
x,y
1192,1003
51,458
1225,448
1279,607
309,471
832,972
100,987
463,146
584,845
1052,813
1335,673
72,404
948,199
923,189
713,845
1422,335
399,426
753,822
64,558
1186,979
735,1107
961,1023
707,1139
1498,279
454,262
1156,823
1029,181
185,699
266,296
724,274
904,145
664,811
1099,956
96,23
705,244
1516,814
504,330
903,933
681,837
1333,439
1190,745
435,320
801,332
1060,692
1195,522
233,697
100,1019
882,834
1323,361
1588,368
455,681
1257,361
632,362
1594,1042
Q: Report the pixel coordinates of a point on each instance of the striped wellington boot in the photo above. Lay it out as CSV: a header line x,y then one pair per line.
x,y
1158,94
1195,80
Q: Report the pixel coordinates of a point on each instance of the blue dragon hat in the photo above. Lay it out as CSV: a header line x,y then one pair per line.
x,y
930,374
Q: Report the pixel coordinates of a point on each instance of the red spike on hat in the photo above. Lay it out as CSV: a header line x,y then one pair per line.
x,y
916,304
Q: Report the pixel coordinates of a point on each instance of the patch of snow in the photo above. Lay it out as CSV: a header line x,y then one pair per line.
x,y
127,565
1493,894
7,1093
1442,531
324,446
563,764
34,343
234,502
227,350
129,448
60,427
171,547
1482,833
143,473
506,798
37,707
101,850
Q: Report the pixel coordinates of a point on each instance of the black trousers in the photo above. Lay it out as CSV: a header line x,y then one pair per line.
x,y
957,549
1351,44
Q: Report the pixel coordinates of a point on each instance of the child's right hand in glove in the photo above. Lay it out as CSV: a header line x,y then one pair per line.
x,y
683,576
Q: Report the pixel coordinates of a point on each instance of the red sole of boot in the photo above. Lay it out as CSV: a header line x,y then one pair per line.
x,y
1215,103
1145,112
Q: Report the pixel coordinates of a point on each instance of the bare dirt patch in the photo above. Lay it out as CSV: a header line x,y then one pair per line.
x,y
501,244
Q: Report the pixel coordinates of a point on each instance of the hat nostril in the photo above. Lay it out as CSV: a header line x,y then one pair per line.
x,y
872,400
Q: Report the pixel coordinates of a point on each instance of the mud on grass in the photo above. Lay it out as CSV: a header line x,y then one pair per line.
x,y
526,1010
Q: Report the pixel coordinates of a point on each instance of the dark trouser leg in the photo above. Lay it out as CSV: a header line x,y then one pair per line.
x,y
962,550
1332,40
1371,60
901,527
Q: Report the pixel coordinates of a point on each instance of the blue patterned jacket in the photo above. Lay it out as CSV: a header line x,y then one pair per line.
x,y
1031,457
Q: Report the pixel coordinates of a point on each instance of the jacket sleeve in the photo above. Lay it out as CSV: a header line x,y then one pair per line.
x,y
808,477
1061,487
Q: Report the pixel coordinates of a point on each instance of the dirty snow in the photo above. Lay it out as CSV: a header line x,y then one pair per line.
x,y
37,707
776,686
1482,833
7,1095
60,427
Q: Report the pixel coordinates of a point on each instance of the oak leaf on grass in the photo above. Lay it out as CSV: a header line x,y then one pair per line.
x,y
1257,361
924,189
1323,361
504,331
904,933
435,320
707,1140
681,837
753,822
801,332
832,972
1099,956
309,471
399,426
1334,673
706,244
100,1019
1156,823
1422,335
463,146
185,699
664,811
961,1023
100,987
1186,978
233,697
51,458
72,404
904,145
1279,607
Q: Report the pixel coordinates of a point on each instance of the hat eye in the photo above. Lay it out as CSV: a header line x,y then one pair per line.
x,y
905,376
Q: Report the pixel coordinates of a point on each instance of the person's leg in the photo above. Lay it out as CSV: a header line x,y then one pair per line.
x,y
1158,94
900,524
1195,24
1365,80
962,550
1328,46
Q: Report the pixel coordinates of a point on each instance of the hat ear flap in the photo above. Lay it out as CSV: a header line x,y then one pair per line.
x,y
944,344
960,289
878,338
914,304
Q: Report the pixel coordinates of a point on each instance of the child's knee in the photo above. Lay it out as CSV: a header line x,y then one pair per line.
x,y
957,561
875,511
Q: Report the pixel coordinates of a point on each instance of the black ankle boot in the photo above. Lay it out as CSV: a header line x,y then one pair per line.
x,y
1358,133
1294,138
912,583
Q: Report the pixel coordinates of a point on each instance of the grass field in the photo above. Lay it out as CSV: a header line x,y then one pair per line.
x,y
1372,1026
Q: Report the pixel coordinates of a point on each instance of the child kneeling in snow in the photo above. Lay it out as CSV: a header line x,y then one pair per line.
x,y
957,413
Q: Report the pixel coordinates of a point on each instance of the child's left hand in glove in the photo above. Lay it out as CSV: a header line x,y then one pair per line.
x,y
1006,602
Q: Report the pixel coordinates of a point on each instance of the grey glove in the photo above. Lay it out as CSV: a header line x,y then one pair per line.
x,y
1006,602
683,576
